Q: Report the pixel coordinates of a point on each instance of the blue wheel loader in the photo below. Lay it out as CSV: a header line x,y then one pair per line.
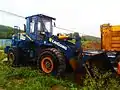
x,y
53,54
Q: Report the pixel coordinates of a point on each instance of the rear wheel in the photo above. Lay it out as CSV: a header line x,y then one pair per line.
x,y
51,61
11,58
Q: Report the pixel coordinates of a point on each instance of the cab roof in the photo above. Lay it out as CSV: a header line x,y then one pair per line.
x,y
41,15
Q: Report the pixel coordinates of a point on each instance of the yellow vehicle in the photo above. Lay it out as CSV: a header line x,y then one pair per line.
x,y
110,43
110,36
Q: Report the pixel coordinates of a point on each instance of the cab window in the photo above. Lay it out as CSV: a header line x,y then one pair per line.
x,y
39,26
32,25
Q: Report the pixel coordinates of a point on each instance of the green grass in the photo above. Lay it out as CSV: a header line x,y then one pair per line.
x,y
27,78
1,47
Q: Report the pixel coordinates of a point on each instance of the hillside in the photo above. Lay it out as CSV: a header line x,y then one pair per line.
x,y
5,32
91,43
90,38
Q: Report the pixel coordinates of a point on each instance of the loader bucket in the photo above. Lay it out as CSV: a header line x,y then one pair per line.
x,y
101,63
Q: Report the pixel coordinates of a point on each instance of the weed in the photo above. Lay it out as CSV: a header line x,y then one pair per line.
x,y
26,78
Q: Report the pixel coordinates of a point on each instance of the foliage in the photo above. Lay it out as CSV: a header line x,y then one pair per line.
x,y
2,55
106,81
91,43
28,78
2,47
6,32
90,38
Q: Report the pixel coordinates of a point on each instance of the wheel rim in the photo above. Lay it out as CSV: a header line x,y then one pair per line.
x,y
11,58
47,64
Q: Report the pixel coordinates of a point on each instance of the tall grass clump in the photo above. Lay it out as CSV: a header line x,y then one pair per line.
x,y
1,47
28,78
2,55
102,81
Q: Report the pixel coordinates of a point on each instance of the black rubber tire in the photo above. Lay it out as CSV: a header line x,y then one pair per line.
x,y
57,58
9,55
15,61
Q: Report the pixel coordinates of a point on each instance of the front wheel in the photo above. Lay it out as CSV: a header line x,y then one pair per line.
x,y
51,61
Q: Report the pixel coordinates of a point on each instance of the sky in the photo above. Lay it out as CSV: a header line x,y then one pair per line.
x,y
83,16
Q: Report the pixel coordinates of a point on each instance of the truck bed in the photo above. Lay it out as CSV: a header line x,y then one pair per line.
x,y
110,37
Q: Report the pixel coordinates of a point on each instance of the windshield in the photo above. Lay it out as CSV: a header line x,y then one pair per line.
x,y
48,25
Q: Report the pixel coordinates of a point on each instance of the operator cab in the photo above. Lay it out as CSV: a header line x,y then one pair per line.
x,y
37,26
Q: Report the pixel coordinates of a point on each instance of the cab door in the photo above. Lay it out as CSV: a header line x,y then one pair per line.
x,y
32,27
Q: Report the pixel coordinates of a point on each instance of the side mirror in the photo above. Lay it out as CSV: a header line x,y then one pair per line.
x,y
24,28
54,24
